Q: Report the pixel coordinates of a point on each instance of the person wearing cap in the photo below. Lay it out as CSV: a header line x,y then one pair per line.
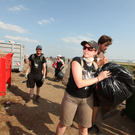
x,y
60,65
78,94
37,68
103,43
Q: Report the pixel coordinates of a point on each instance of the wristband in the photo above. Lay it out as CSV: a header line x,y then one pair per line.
x,y
97,84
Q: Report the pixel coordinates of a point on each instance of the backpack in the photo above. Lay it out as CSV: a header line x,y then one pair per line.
x,y
67,72
41,57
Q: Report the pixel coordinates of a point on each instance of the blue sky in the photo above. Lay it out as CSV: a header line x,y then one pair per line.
x,y
60,25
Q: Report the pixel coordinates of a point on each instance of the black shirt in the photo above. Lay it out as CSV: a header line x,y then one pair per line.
x,y
72,89
59,64
37,63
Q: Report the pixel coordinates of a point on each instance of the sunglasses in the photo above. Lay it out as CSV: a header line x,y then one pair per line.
x,y
39,49
89,48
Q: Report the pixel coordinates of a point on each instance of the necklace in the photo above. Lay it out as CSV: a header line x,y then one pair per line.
x,y
90,67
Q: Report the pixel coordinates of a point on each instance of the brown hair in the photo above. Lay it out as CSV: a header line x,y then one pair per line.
x,y
104,39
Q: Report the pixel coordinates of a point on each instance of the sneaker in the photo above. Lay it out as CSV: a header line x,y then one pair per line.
x,y
95,129
38,98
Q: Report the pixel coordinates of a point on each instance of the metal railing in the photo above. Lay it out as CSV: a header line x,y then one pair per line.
x,y
49,65
129,64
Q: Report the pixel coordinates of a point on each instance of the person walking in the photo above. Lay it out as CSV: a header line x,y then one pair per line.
x,y
103,43
37,68
60,65
78,95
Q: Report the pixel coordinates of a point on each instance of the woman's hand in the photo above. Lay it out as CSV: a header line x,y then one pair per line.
x,y
60,67
103,75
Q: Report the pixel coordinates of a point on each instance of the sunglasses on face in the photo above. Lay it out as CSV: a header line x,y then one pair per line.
x,y
39,49
89,48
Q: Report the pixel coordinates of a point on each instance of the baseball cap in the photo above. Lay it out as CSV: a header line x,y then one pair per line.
x,y
39,46
92,43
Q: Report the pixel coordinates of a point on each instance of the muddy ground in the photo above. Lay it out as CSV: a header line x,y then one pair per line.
x,y
42,118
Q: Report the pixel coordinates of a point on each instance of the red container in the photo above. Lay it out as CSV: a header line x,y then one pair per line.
x,y
8,67
5,71
2,75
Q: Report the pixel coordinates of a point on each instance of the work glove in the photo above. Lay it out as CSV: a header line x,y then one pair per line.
x,y
26,75
43,79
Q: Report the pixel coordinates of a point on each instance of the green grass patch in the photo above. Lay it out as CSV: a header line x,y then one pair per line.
x,y
130,68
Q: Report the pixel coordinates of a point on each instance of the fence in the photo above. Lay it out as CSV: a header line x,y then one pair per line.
x,y
129,64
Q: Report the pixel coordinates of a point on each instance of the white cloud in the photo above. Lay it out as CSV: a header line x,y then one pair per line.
x,y
75,40
21,39
17,8
46,21
39,22
11,27
58,46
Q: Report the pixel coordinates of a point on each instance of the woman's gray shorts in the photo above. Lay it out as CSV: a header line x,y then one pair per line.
x,y
83,106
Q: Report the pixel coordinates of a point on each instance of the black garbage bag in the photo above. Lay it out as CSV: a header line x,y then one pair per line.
x,y
118,87
60,75
115,89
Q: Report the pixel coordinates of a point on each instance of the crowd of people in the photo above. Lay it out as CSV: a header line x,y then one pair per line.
x,y
79,96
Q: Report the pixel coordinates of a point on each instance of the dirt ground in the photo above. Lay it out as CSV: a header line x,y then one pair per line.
x,y
16,118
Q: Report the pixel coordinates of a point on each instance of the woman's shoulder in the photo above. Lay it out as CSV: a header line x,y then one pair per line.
x,y
62,61
78,59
